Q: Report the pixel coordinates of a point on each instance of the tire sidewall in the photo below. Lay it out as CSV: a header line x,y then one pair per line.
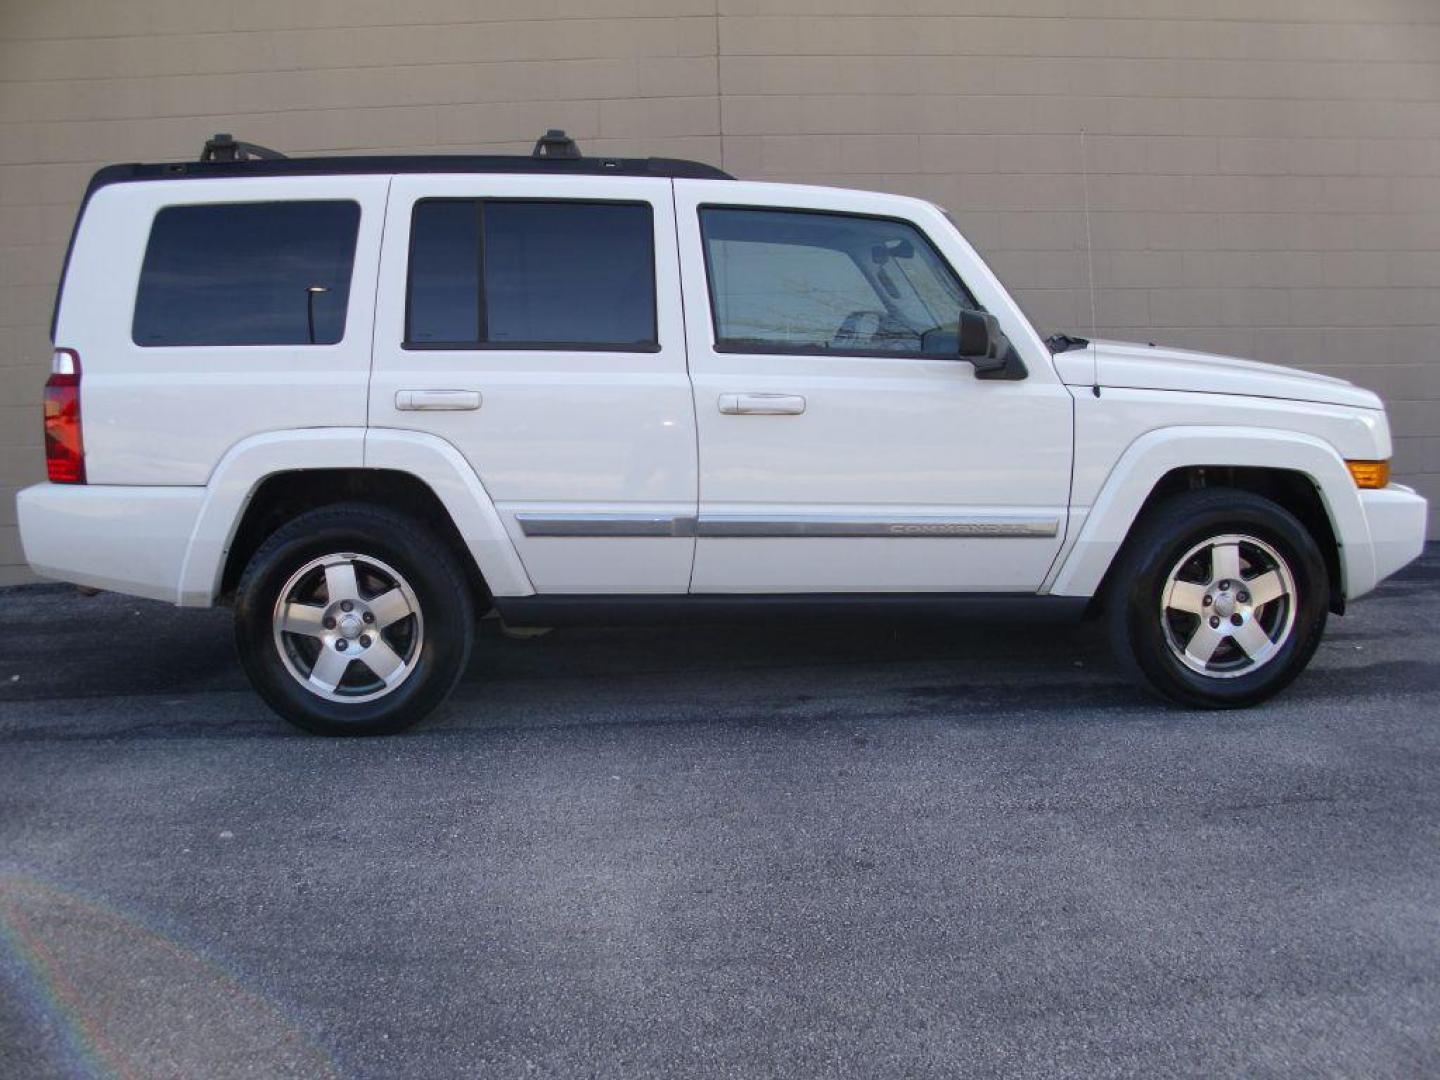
x,y
444,608
1178,532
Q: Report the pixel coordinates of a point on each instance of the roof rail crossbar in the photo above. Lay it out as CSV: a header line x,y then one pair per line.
x,y
225,147
555,144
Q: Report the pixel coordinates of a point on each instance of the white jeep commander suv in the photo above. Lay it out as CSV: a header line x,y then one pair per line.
x,y
370,399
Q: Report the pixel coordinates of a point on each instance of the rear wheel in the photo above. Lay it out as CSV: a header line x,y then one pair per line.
x,y
1219,599
353,620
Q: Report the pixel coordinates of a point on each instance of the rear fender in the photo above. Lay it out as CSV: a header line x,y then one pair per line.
x,y
431,460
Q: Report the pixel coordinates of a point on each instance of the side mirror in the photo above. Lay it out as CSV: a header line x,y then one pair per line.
x,y
985,345
978,340
981,340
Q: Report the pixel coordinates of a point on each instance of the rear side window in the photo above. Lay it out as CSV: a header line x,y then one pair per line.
x,y
275,273
516,274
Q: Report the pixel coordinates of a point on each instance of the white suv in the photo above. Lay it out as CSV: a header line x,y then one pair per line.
x,y
370,399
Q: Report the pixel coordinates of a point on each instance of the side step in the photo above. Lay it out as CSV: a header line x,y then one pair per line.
x,y
631,610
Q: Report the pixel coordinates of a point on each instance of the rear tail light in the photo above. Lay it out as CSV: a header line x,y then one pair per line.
x,y
64,447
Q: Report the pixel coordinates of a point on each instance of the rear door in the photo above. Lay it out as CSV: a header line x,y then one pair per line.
x,y
534,322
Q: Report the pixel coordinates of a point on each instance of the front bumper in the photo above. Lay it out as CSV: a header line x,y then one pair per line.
x,y
1397,518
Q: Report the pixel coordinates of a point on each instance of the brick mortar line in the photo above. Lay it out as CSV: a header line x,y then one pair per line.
x,y
1178,20
421,65
969,97
394,150
320,28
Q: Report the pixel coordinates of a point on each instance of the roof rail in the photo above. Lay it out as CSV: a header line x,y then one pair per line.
x,y
223,147
555,154
555,144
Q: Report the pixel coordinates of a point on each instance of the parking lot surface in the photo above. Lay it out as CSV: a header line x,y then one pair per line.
x,y
743,851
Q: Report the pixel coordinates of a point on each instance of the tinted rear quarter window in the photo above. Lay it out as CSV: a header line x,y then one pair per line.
x,y
273,273
444,296
532,274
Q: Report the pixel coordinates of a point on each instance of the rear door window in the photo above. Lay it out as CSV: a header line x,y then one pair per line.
x,y
266,273
532,274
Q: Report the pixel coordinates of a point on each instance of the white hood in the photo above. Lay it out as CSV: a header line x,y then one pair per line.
x,y
1148,367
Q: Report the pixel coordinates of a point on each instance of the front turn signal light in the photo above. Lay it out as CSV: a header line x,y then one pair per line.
x,y
1369,474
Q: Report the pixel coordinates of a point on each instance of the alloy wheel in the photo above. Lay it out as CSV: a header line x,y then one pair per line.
x,y
1228,606
348,627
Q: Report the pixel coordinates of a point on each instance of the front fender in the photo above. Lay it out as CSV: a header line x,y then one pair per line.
x,y
1108,522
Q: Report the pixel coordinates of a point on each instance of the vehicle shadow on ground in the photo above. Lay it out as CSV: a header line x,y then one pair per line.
x,y
77,666
92,666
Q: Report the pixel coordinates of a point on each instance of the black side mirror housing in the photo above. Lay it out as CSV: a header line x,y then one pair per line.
x,y
984,344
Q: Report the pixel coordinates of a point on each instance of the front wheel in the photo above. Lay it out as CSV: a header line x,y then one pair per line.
x,y
353,620
1219,600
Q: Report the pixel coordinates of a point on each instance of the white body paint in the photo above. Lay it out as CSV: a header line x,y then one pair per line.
x,y
679,470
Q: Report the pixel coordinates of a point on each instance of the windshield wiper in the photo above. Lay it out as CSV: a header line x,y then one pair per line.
x,y
1058,343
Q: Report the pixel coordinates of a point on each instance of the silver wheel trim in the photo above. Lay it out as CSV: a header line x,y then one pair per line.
x,y
1235,614
350,628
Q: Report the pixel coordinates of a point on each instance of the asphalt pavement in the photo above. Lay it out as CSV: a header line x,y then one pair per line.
x,y
747,851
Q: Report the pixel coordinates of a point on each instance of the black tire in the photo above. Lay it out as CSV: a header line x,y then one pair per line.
x,y
1141,632
442,622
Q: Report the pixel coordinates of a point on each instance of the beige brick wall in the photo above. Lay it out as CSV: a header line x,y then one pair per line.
x,y
1264,178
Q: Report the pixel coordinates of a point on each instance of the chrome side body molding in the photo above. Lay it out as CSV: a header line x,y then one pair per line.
x,y
825,525
601,525
1038,526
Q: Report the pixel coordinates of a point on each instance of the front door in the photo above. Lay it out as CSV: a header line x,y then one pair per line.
x,y
843,446
534,323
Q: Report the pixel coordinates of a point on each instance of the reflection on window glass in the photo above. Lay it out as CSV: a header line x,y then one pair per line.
x,y
809,281
247,274
554,273
788,293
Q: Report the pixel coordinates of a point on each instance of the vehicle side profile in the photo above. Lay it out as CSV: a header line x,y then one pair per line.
x,y
369,400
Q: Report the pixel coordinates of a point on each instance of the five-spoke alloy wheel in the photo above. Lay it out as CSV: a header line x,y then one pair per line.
x,y
348,627
1228,606
353,619
1218,598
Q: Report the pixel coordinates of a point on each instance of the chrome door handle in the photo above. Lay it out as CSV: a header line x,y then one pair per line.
x,y
437,400
762,404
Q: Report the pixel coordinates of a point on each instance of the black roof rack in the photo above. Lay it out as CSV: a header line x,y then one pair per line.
x,y
223,147
554,153
555,144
